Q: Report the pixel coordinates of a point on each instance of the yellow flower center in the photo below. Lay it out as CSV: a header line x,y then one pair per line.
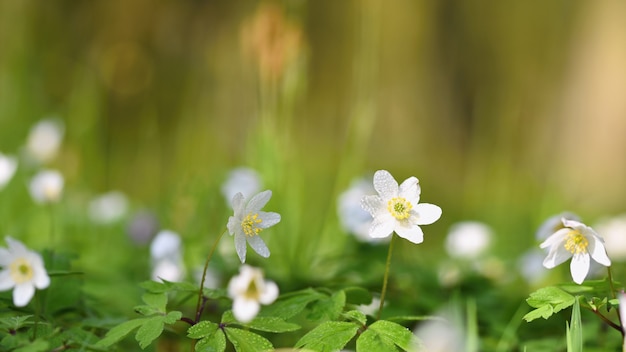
x,y
576,243
250,225
252,292
21,271
399,208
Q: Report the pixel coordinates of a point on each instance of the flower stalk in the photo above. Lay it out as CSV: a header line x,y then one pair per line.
x,y
199,305
386,277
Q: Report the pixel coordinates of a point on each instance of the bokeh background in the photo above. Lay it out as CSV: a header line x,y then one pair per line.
x,y
507,111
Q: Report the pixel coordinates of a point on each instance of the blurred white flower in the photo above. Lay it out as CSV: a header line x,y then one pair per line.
x,y
249,290
248,221
553,223
354,219
370,309
530,265
241,180
579,242
397,208
166,256
46,187
108,207
468,239
8,165
45,139
613,230
443,333
22,270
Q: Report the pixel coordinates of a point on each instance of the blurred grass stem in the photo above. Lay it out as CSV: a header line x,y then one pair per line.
x,y
206,266
386,277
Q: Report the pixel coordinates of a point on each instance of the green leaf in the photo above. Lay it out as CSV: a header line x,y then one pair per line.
x,y
149,331
329,336
356,315
146,310
575,331
15,323
172,317
156,300
371,341
153,286
291,304
35,346
415,318
358,295
211,337
271,324
329,308
548,300
119,332
396,334
246,341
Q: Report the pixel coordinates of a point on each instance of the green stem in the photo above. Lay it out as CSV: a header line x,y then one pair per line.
x,y
206,266
619,318
386,277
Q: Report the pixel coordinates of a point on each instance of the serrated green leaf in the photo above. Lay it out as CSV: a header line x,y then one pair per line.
x,y
357,295
356,315
371,341
329,336
156,300
202,329
396,334
216,342
15,323
329,308
119,332
271,324
289,305
172,317
553,297
149,331
246,341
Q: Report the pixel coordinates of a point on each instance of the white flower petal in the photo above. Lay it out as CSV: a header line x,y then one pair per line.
x,y
426,213
382,226
233,225
238,203
574,224
5,257
270,293
258,201
374,205
6,282
556,255
240,246
410,190
245,310
579,267
268,219
410,232
385,184
556,239
23,293
16,247
259,246
597,251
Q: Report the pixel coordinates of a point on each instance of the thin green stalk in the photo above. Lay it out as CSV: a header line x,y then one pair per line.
x,y
386,277
206,266
619,318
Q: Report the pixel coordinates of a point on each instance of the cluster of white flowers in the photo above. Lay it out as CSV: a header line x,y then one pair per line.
x,y
167,256
22,270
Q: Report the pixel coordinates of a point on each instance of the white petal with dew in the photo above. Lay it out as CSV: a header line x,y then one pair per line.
x,y
374,205
270,293
579,267
426,213
385,184
410,190
382,226
245,310
259,246
257,202
268,219
23,293
240,246
233,225
410,232
238,203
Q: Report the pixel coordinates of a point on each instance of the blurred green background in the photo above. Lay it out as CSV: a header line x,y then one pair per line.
x,y
507,111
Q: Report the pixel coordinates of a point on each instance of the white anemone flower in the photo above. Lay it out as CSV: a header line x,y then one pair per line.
x,y
108,208
397,208
248,221
166,256
242,180
8,165
553,223
579,242
23,271
468,239
46,186
249,290
45,139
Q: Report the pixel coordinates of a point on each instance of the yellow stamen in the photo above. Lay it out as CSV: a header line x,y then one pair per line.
x,y
252,292
21,271
250,225
399,208
576,242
